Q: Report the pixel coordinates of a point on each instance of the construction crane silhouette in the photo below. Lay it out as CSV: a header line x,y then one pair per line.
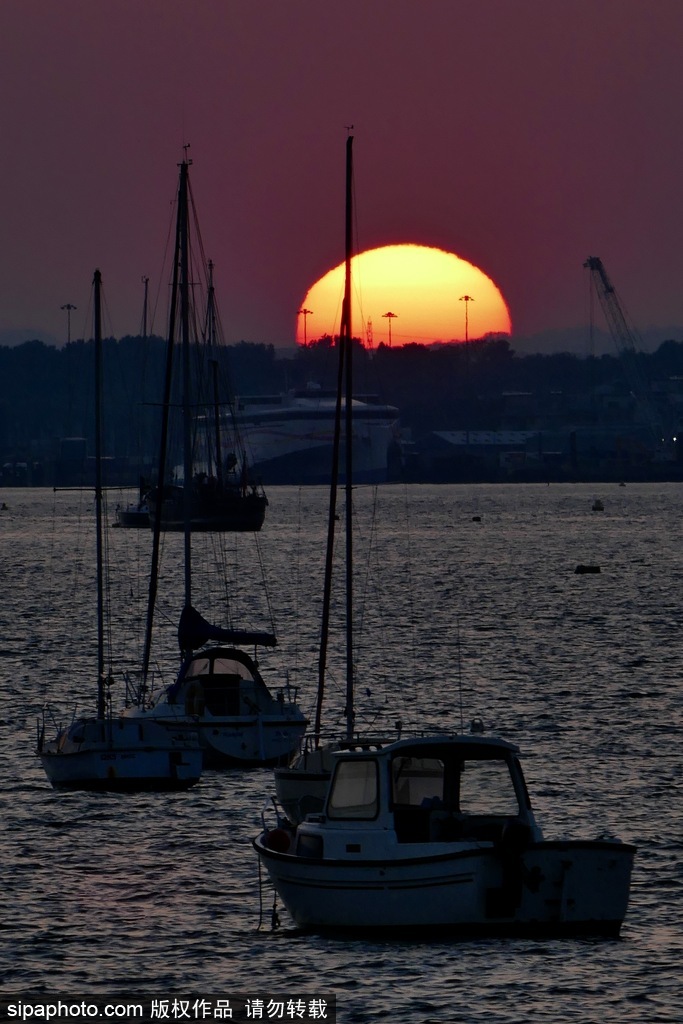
x,y
628,345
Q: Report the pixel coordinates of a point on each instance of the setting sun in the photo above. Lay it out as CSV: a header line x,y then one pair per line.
x,y
403,294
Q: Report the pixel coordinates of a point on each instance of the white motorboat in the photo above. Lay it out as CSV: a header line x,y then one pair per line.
x,y
438,833
433,833
106,751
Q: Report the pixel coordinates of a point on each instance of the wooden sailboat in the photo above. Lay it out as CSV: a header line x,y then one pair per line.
x,y
106,751
219,690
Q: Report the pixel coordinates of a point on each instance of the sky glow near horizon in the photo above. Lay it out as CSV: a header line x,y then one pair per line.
x,y
522,136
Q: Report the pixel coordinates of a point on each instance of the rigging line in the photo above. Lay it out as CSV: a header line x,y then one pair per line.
x,y
462,718
408,562
52,586
297,586
106,572
266,590
372,580
161,277
368,576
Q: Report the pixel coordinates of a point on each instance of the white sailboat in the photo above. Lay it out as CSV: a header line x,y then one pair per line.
x,y
108,751
219,690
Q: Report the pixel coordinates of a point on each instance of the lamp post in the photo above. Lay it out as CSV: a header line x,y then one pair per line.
x,y
145,285
305,313
466,299
389,316
68,307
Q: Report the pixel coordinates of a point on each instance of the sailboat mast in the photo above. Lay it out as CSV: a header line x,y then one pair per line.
x,y
163,445
345,340
329,554
211,337
185,355
343,384
101,700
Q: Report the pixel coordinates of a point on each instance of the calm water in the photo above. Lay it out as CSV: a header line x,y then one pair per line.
x,y
159,895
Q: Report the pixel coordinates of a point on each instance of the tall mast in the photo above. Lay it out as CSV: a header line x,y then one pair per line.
x,y
185,355
345,341
211,338
101,699
163,445
343,364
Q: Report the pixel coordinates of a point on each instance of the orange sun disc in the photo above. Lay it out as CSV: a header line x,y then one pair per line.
x,y
403,294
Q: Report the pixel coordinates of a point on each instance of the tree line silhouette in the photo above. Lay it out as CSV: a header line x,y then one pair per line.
x,y
47,393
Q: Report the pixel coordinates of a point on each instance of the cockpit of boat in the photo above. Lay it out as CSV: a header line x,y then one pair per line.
x,y
224,682
439,795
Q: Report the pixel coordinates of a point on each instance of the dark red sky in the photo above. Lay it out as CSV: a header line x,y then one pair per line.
x,y
523,136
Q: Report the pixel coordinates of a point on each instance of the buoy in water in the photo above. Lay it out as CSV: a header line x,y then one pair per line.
x,y
587,568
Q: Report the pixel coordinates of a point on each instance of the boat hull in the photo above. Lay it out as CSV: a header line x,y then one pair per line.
x,y
121,756
122,771
221,513
551,888
133,517
237,742
249,744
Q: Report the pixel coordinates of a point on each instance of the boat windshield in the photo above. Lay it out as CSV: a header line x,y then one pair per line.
x,y
417,781
486,787
353,793
470,786
202,666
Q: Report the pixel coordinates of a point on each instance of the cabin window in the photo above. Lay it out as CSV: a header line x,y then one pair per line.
x,y
486,788
417,781
354,790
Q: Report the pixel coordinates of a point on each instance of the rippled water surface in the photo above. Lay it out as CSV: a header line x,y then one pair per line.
x,y
470,607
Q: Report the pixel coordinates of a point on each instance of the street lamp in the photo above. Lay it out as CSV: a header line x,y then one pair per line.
x,y
305,313
145,285
466,299
68,307
389,316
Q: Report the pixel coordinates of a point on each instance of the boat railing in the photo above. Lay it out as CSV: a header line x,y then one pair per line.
x,y
52,716
287,694
141,692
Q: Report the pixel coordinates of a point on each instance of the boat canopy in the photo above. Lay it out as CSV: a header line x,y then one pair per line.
x,y
194,631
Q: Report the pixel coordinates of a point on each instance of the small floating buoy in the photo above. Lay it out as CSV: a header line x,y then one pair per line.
x,y
598,506
476,725
476,519
587,568
277,839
